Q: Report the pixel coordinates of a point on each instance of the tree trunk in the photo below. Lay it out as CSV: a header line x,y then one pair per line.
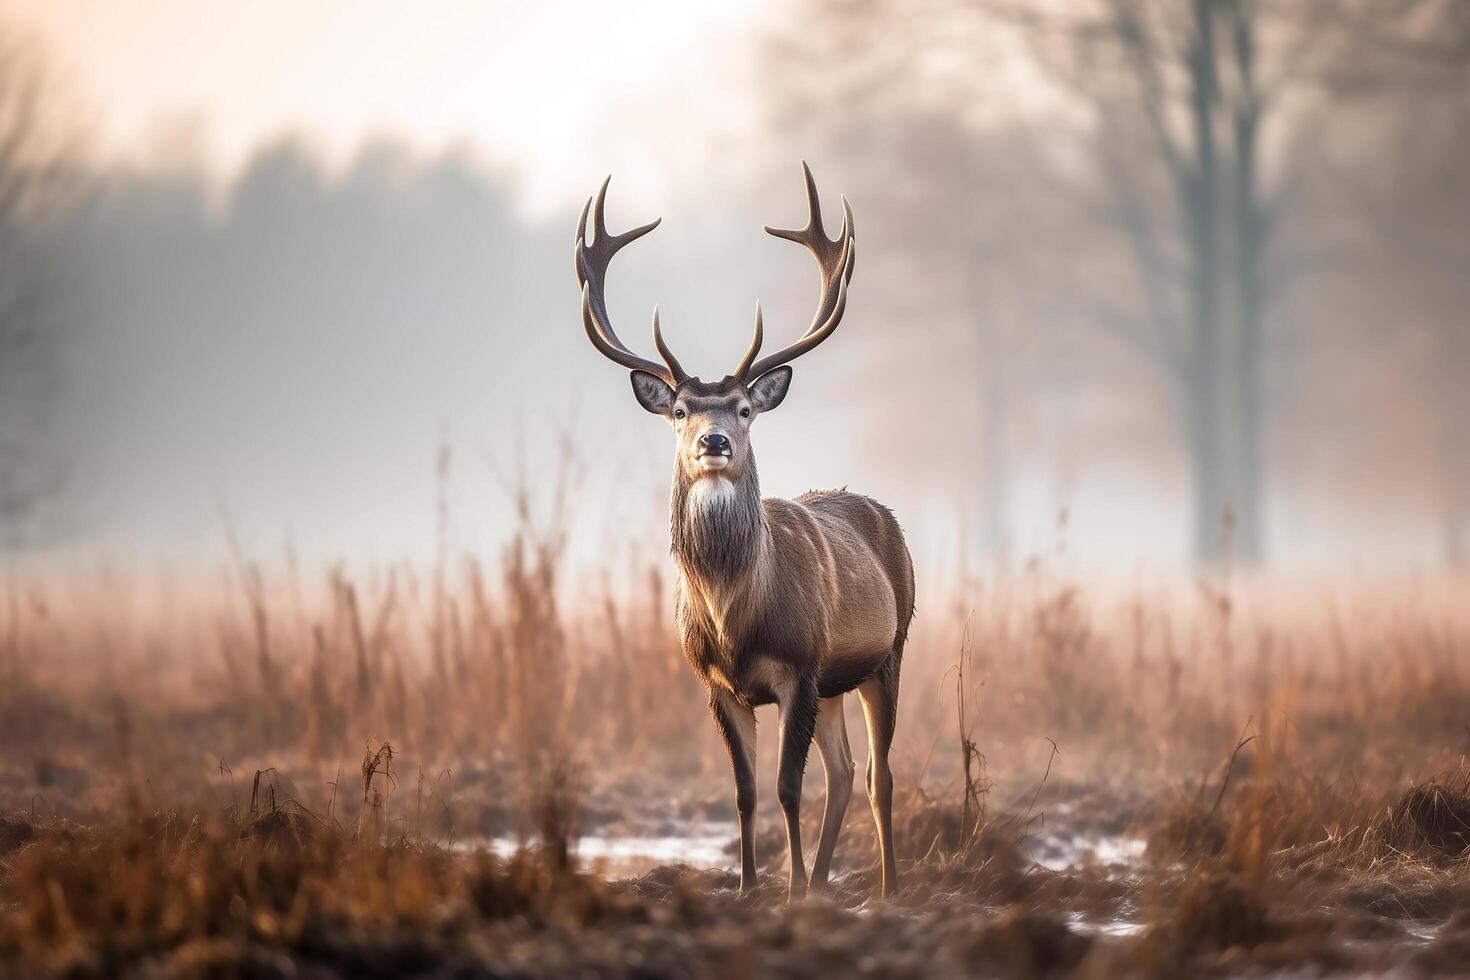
x,y
1212,338
1199,191
1250,228
1206,470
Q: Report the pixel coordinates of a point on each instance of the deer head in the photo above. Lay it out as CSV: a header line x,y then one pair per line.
x,y
712,420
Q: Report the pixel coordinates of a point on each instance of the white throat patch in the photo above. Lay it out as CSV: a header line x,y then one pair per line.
x,y
710,493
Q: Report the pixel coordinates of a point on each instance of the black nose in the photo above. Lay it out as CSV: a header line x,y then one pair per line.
x,y
714,443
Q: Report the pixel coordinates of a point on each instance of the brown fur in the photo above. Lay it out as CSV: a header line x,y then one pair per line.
x,y
783,601
823,579
823,582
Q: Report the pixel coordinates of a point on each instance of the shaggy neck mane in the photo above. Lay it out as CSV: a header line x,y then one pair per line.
x,y
718,527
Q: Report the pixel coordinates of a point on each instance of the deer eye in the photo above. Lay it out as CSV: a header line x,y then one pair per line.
x,y
745,413
678,413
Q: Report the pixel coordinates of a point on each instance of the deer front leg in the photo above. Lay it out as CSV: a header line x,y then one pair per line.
x,y
736,722
798,721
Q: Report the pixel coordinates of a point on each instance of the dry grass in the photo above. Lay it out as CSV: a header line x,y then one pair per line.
x,y
269,775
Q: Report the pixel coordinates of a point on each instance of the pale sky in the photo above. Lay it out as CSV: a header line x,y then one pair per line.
x,y
539,87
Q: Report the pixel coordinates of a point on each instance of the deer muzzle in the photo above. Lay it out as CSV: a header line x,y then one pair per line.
x,y
714,451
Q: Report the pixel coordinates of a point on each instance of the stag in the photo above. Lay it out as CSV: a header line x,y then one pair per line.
x,y
786,602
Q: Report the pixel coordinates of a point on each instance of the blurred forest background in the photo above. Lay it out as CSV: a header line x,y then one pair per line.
x,y
1148,282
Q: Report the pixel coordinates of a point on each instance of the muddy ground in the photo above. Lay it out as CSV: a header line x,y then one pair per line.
x,y
1078,879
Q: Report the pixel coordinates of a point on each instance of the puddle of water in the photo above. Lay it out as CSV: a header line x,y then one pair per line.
x,y
1063,852
706,846
1108,927
614,855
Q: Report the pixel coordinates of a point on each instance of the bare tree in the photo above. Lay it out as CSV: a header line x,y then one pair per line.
x,y
40,176
1175,108
1199,109
1180,104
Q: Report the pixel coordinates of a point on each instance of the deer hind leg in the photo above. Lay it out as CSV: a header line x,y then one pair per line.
x,y
831,739
798,703
879,695
736,722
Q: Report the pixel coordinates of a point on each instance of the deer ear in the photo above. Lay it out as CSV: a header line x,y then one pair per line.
x,y
653,393
767,391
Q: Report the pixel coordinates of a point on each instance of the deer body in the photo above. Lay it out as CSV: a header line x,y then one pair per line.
x,y
786,602
747,611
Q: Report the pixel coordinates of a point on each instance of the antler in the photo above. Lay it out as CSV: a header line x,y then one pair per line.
x,y
592,262
834,260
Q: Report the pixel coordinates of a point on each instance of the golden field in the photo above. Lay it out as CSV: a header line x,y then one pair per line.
x,y
283,772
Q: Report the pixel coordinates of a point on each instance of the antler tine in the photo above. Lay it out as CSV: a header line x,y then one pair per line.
x,y
742,370
812,337
663,351
599,222
834,262
591,265
814,214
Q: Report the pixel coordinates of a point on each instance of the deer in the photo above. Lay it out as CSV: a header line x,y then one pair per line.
x,y
794,602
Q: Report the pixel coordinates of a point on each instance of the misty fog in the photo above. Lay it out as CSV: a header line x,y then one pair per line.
x,y
280,354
